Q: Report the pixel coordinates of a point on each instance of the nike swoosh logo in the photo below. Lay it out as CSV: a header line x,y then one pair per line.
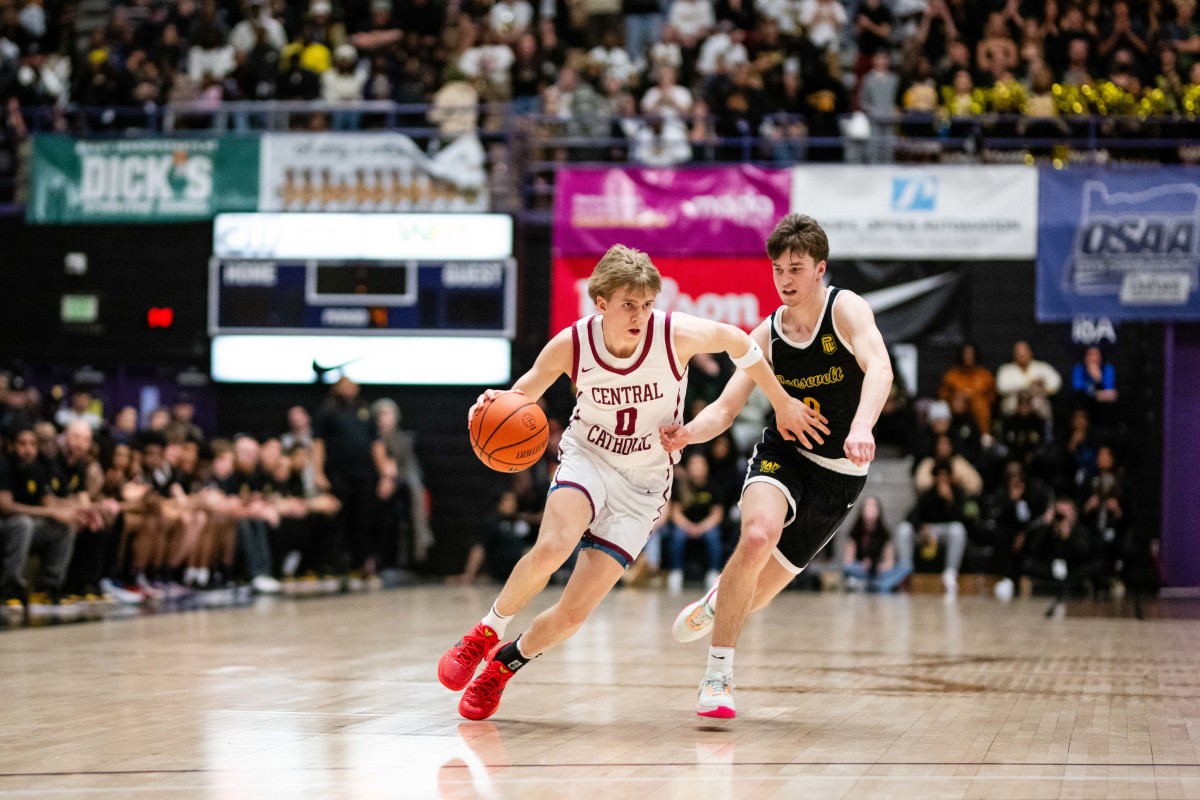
x,y
889,298
719,658
587,369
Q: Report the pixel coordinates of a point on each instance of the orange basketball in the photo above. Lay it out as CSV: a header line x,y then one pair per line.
x,y
510,433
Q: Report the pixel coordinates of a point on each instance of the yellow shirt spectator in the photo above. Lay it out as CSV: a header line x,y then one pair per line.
x,y
314,56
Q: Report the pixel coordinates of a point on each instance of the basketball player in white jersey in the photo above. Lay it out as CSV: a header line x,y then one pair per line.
x,y
825,350
629,364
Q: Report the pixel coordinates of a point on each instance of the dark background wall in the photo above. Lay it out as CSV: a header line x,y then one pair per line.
x,y
134,268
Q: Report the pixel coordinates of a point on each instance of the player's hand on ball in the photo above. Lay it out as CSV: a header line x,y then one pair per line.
x,y
860,446
796,421
489,395
673,437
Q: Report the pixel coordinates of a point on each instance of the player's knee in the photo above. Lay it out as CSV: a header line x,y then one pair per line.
x,y
757,539
550,552
571,618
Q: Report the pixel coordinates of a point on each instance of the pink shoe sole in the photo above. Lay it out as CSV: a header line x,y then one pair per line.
x,y
720,712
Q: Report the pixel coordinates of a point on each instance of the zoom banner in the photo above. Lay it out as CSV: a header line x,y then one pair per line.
x,y
717,211
1124,245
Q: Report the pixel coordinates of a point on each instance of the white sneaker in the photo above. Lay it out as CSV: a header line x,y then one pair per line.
x,y
120,593
675,581
1004,590
265,584
950,581
716,697
696,619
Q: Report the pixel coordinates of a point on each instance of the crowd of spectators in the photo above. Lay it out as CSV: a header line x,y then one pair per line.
x,y
150,510
672,79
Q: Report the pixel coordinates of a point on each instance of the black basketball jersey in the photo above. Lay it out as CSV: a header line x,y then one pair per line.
x,y
822,373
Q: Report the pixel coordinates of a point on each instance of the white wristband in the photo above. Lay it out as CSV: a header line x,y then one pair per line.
x,y
749,358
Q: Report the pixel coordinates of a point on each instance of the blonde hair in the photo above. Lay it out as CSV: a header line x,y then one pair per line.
x,y
624,268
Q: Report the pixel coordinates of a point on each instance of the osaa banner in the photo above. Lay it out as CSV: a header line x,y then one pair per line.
x,y
141,180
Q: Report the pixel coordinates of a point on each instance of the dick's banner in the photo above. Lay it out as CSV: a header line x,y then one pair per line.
x,y
186,179
1119,244
141,180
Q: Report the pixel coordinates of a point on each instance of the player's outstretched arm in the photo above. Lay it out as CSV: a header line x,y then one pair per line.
x,y
856,320
793,418
554,360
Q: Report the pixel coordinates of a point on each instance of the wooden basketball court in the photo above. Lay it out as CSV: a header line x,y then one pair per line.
x,y
840,696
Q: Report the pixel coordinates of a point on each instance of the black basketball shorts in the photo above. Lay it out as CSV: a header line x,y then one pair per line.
x,y
819,498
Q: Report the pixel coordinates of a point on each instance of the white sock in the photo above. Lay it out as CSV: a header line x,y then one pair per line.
x,y
720,661
496,621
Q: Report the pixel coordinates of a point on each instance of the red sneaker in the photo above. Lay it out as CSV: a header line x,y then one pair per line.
x,y
458,664
482,697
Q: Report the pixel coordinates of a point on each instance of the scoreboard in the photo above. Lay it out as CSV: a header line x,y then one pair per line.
x,y
397,274
384,298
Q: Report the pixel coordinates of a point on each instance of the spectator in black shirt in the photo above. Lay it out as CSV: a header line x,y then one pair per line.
x,y
256,515
696,513
343,464
870,556
1063,552
939,517
296,82
29,523
1018,507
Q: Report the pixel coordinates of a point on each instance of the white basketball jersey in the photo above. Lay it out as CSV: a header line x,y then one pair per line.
x,y
621,402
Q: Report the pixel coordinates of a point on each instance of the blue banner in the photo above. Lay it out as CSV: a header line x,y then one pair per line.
x,y
1121,244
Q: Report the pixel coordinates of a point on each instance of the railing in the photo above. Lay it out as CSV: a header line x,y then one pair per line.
x,y
530,148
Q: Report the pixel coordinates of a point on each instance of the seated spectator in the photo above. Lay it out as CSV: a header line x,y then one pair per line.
x,y
823,22
1075,456
1026,374
667,99
80,407
612,59
996,53
246,34
939,518
1024,432
1063,553
488,64
344,85
510,20
722,51
29,522
1018,507
970,378
182,426
1095,386
506,538
313,56
1104,505
661,143
296,82
964,477
254,512
964,430
696,513
529,74
870,555
872,32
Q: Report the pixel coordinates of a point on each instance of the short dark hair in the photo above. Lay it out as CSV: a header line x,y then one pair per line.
x,y
800,234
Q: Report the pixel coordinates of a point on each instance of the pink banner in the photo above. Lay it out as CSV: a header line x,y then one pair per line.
x,y
669,212
734,290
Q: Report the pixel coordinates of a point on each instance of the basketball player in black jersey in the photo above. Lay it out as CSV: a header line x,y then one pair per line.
x,y
826,351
